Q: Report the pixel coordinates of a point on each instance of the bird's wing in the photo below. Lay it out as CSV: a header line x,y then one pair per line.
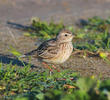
x,y
48,49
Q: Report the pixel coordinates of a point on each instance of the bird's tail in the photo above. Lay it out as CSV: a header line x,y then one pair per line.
x,y
31,53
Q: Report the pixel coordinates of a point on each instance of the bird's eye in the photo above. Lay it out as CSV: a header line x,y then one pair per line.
x,y
66,35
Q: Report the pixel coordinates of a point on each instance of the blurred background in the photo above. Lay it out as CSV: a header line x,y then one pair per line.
x,y
22,10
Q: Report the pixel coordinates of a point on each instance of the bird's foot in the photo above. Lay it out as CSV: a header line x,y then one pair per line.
x,y
55,68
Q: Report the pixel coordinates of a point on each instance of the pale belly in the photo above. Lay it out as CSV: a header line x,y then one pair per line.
x,y
62,56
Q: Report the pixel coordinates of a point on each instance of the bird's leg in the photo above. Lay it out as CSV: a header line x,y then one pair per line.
x,y
55,68
50,69
46,66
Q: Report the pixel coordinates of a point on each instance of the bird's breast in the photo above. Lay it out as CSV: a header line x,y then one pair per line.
x,y
65,50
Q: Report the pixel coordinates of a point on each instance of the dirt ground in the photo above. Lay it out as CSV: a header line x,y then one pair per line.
x,y
16,14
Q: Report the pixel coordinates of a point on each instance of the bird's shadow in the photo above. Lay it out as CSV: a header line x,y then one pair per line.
x,y
6,59
81,23
18,26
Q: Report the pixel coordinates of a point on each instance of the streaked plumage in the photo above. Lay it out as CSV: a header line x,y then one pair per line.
x,y
55,50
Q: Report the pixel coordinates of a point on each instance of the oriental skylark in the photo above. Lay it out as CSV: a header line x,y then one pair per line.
x,y
56,50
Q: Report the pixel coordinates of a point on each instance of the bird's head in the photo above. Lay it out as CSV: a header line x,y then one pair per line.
x,y
65,36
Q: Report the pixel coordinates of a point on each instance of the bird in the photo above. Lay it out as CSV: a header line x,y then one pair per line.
x,y
56,50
